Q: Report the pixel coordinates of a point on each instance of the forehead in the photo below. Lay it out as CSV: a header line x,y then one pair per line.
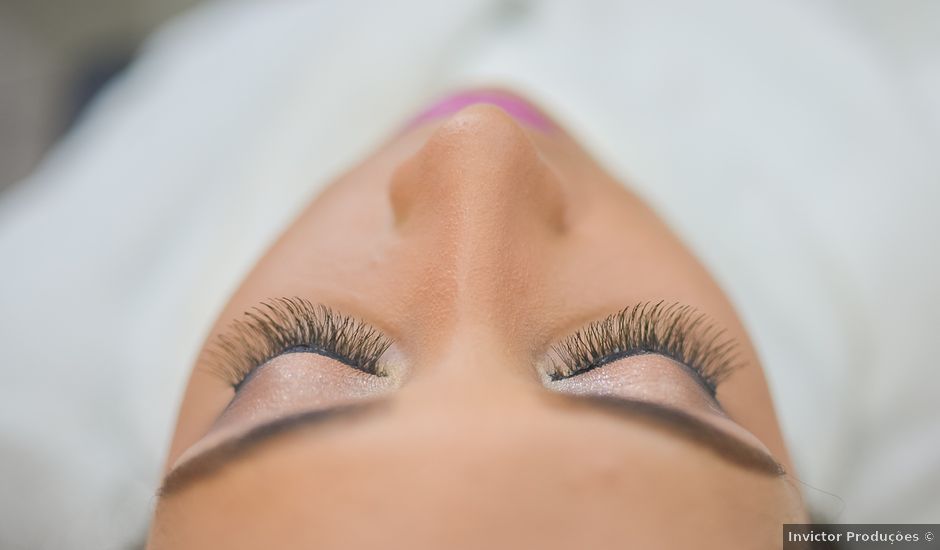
x,y
435,481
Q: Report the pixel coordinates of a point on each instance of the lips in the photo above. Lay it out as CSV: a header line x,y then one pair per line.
x,y
516,107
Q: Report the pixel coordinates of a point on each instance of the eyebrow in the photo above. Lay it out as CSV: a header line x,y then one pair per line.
x,y
677,422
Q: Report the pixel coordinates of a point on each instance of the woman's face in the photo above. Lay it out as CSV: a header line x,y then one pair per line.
x,y
516,352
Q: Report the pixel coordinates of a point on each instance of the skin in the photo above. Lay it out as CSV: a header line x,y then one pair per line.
x,y
475,242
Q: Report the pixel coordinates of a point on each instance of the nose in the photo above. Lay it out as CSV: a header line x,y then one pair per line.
x,y
481,211
476,161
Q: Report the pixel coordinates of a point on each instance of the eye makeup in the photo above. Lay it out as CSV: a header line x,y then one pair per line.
x,y
675,331
294,325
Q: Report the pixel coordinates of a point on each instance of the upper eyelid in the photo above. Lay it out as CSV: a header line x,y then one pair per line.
x,y
266,330
673,330
687,371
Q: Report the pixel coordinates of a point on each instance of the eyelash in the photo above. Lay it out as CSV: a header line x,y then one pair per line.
x,y
285,325
676,331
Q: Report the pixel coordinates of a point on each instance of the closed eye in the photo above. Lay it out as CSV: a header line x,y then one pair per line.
x,y
294,325
675,331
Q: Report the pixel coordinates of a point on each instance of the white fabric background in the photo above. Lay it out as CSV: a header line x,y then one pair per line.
x,y
794,145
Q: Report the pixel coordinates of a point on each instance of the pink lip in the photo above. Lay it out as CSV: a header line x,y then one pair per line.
x,y
514,106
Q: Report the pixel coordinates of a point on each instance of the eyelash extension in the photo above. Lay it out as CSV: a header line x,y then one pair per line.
x,y
284,325
674,330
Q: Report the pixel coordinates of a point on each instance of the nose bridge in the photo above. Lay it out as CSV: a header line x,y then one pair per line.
x,y
474,372
483,207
